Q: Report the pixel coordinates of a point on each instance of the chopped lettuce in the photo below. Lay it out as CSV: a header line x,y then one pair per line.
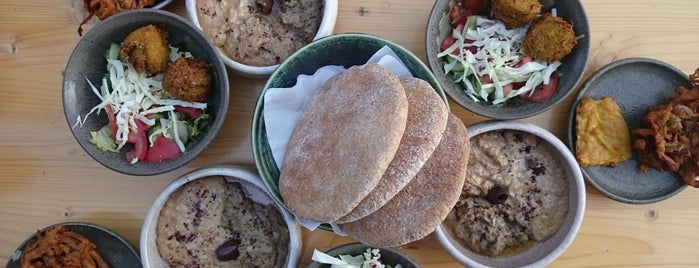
x,y
103,139
371,258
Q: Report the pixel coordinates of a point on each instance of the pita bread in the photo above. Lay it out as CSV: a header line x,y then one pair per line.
x,y
425,202
344,141
427,119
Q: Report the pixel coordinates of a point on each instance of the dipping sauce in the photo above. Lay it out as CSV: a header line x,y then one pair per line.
x,y
250,36
210,222
515,194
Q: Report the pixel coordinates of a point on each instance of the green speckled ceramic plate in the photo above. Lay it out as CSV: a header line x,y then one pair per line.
x,y
113,248
343,49
636,84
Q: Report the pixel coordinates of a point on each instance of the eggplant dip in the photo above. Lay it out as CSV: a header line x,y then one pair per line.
x,y
260,32
210,222
515,194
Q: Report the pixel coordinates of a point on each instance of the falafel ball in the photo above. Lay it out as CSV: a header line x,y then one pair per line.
x,y
515,13
147,49
549,38
188,79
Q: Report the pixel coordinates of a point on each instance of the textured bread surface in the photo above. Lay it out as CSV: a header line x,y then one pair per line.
x,y
344,141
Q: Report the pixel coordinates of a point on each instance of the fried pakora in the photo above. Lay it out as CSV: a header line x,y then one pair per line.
x,y
602,134
147,49
59,247
105,8
670,142
188,79
515,13
549,38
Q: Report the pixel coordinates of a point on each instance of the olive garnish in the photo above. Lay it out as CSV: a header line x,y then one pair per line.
x,y
265,6
228,251
497,195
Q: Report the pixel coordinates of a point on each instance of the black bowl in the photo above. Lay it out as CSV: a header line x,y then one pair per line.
x,y
390,256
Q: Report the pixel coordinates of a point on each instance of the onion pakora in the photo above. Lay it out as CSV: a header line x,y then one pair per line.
x,y
516,13
147,49
549,38
670,142
105,8
188,79
602,134
59,247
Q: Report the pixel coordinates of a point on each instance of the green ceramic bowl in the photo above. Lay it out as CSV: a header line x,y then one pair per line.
x,y
342,49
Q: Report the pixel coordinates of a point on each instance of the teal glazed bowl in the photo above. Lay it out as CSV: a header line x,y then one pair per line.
x,y
570,72
342,49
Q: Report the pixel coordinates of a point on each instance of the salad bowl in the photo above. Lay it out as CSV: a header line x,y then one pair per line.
x,y
87,66
569,73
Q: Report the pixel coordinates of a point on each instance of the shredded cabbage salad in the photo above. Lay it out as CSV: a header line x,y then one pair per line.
x,y
139,103
371,258
487,59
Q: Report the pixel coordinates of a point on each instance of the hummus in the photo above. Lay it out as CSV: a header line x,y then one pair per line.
x,y
248,36
515,194
206,213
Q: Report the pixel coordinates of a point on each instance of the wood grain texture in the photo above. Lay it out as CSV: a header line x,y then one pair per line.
x,y
46,178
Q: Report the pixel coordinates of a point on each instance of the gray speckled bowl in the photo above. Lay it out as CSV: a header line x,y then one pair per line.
x,y
87,61
653,83
254,189
113,248
571,70
342,49
541,253
390,256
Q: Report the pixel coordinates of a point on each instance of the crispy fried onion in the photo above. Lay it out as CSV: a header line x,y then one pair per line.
x,y
106,8
60,247
671,140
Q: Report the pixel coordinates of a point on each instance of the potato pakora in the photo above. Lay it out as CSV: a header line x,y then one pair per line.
x,y
105,8
59,247
670,142
515,13
549,38
602,134
147,49
188,79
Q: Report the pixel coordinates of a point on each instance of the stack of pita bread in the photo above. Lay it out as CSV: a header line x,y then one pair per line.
x,y
380,156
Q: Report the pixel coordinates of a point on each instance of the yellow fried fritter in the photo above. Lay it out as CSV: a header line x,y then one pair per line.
x,y
515,13
147,49
188,79
602,134
549,38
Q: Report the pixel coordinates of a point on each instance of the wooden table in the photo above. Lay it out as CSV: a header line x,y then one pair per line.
x,y
46,178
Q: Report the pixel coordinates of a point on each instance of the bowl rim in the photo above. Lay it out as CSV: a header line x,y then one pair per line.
x,y
150,15
576,179
432,61
232,173
326,27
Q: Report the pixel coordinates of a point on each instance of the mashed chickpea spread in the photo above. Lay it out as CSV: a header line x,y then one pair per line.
x,y
248,35
515,194
208,213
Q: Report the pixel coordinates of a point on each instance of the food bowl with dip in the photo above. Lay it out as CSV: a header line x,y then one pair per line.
x,y
254,37
507,72
341,50
522,202
215,216
119,111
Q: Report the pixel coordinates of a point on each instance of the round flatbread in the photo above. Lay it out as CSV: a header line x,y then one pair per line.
x,y
425,202
342,144
427,119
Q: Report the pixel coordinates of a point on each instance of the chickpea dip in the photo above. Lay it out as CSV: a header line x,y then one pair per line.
x,y
515,194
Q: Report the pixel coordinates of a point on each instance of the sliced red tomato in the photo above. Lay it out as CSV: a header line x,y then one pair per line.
x,y
139,139
474,5
162,149
112,120
189,111
542,93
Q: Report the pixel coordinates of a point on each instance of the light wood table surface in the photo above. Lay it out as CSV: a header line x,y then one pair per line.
x,y
46,178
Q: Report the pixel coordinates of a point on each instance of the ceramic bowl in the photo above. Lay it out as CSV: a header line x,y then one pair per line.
x,y
87,62
162,4
570,72
112,247
389,256
343,49
325,28
543,252
252,186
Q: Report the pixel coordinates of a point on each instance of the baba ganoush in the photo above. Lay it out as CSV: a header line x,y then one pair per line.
x,y
247,35
515,194
208,213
